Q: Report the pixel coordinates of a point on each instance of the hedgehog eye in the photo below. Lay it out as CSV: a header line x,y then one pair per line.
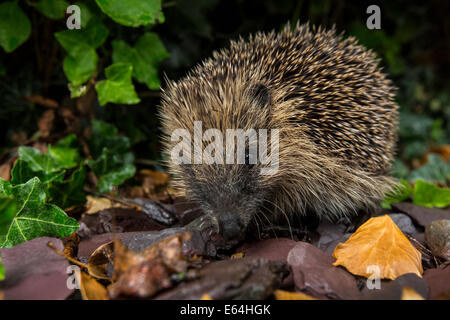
x,y
247,158
261,95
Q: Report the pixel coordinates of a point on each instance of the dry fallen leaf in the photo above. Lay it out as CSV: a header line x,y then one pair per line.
x,y
286,295
142,274
95,205
379,243
90,288
238,255
410,294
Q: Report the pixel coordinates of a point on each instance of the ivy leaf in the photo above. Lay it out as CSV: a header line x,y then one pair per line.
x,y
145,56
22,172
15,27
113,162
400,193
7,211
112,170
435,170
430,195
33,217
131,13
117,88
53,9
81,62
80,68
69,193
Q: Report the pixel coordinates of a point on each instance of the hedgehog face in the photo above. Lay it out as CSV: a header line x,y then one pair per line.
x,y
230,197
222,170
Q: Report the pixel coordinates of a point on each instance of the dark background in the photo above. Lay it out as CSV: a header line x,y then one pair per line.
x,y
413,43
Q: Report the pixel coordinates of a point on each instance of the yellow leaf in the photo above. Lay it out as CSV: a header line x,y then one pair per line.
x,y
95,205
90,288
206,296
379,245
410,294
238,255
286,295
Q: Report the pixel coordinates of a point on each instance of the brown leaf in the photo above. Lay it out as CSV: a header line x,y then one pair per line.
x,y
95,205
286,295
99,260
45,123
411,294
379,242
142,274
90,288
38,99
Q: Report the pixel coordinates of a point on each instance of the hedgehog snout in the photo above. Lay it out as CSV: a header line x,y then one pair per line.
x,y
231,226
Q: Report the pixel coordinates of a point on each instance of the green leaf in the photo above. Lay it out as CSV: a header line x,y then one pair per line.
x,y
112,169
117,88
81,62
436,170
53,9
2,270
401,192
69,193
113,162
131,13
7,211
145,57
22,172
430,195
33,217
15,27
79,69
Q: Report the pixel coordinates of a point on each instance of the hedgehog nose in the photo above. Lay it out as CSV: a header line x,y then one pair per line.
x,y
230,226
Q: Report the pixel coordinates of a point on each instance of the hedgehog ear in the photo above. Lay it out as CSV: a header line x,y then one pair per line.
x,y
260,95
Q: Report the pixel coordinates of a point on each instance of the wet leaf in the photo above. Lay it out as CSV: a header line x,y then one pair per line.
x,y
33,217
380,243
15,27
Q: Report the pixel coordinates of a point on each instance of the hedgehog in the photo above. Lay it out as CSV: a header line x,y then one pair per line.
x,y
335,114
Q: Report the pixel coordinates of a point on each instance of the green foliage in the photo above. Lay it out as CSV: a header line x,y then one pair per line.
x,y
53,9
15,27
430,195
132,13
144,56
33,217
81,62
51,169
2,270
113,163
435,170
117,87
